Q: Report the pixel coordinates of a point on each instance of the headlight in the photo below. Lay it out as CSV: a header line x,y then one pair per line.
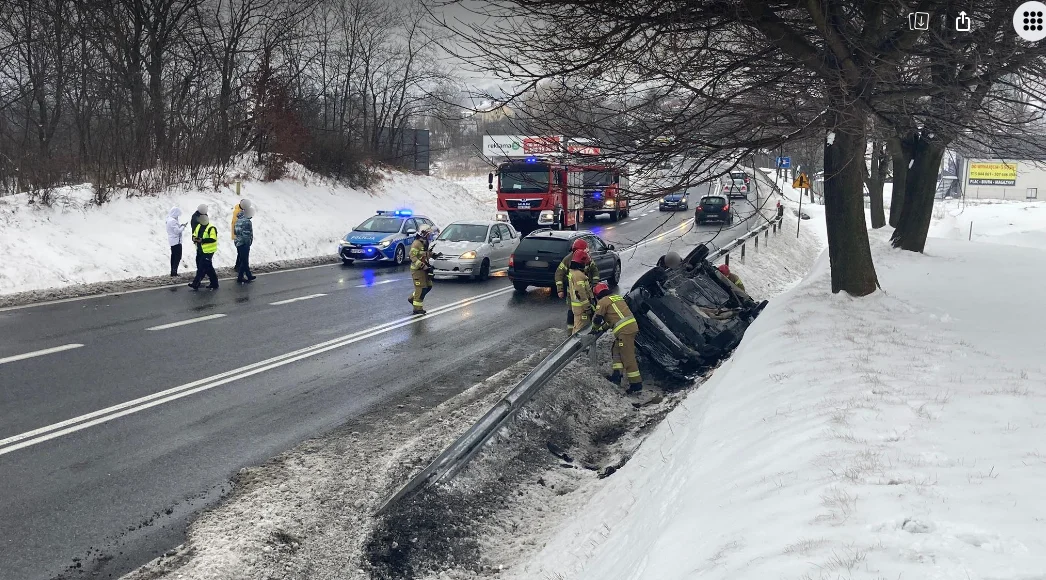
x,y
501,216
469,255
546,216
384,244
683,200
608,203
664,199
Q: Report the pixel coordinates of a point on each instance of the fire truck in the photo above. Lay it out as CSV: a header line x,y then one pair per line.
x,y
539,193
605,191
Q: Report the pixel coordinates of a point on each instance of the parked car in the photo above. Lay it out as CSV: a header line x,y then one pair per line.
x,y
735,188
385,237
738,174
689,317
674,201
714,208
539,253
473,248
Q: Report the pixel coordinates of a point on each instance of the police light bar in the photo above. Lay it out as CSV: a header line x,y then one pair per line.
x,y
531,159
404,212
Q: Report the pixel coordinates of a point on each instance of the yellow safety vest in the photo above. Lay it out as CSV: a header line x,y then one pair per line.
x,y
207,247
575,286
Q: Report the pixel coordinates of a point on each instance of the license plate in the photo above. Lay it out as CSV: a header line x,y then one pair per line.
x,y
523,206
537,264
355,251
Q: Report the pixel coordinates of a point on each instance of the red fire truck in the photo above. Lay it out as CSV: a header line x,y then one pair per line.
x,y
605,191
539,193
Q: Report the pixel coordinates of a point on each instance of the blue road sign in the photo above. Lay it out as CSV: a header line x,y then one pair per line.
x,y
784,162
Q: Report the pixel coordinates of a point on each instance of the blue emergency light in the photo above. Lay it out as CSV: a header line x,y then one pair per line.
x,y
532,160
597,194
404,212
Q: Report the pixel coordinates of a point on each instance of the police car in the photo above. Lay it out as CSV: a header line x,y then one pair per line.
x,y
385,237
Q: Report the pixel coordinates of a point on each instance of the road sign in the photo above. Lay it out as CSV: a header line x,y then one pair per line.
x,y
784,162
801,182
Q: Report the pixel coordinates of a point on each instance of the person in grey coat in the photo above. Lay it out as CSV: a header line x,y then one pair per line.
x,y
244,237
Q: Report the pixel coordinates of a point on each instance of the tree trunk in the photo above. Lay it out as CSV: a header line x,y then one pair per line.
x,y
852,269
920,190
876,176
901,152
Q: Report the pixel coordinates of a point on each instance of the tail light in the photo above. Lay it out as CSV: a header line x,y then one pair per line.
x,y
744,188
511,260
726,207
700,208
746,179
726,188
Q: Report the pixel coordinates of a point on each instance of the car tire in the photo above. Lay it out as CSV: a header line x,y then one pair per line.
x,y
484,270
346,262
400,256
614,216
520,286
615,277
686,206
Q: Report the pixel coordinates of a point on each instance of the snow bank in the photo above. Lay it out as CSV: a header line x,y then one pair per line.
x,y
1011,223
76,242
893,436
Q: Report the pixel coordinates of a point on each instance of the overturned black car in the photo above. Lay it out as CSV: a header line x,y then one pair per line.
x,y
690,316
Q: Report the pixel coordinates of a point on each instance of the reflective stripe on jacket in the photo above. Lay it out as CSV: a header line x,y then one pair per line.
x,y
615,313
591,270
419,255
580,291
208,238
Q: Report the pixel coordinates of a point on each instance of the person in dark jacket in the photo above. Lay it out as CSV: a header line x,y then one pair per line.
x,y
243,238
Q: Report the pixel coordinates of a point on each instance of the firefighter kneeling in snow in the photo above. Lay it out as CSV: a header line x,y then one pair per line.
x,y
725,270
579,290
612,312
420,270
561,277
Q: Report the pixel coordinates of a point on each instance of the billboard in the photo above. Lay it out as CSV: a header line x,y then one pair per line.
x,y
992,173
521,145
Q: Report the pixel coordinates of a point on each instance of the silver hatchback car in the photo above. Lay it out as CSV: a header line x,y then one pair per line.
x,y
473,248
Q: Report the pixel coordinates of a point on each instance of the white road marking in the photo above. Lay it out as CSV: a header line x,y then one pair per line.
x,y
18,357
634,219
184,322
298,299
381,282
36,436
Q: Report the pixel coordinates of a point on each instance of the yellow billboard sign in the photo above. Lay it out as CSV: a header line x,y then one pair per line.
x,y
993,173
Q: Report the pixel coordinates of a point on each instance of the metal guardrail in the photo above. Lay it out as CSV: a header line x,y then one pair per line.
x,y
459,453
455,457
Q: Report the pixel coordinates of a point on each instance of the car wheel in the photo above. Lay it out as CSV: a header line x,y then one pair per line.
x,y
484,270
401,255
346,262
614,216
519,286
686,206
616,276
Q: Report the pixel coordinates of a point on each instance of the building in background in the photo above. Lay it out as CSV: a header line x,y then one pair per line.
x,y
1010,169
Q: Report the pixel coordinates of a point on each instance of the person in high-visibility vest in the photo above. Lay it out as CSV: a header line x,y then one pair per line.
x,y
612,312
420,270
592,269
579,290
207,235
725,269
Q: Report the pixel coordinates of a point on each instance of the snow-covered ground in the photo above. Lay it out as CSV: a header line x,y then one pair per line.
x,y
77,242
893,436
1000,222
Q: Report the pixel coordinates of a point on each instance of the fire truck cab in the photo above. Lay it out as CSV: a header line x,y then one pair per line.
x,y
605,191
539,193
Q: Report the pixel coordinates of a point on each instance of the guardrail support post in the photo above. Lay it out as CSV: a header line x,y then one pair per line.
x,y
756,236
743,253
726,258
766,236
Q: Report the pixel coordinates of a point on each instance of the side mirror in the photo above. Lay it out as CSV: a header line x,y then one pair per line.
x,y
490,181
495,239
411,232
611,246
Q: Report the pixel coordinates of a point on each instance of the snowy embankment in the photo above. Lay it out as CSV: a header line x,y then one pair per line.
x,y
893,436
1001,222
78,242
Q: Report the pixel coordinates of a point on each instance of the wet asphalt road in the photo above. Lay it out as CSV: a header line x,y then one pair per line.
x,y
108,449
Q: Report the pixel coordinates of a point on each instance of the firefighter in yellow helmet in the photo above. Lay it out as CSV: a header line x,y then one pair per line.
x,y
561,276
579,290
420,269
612,312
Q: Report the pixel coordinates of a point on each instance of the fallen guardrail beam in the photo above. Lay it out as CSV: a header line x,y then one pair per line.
x,y
455,457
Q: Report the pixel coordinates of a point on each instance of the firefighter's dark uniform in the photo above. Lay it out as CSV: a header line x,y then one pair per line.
x,y
612,312
579,293
419,272
591,269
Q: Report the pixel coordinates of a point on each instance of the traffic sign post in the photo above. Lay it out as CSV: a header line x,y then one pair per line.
x,y
784,162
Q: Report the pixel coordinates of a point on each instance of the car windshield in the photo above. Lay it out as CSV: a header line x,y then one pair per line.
x,y
737,175
548,246
598,178
713,201
464,233
525,181
380,224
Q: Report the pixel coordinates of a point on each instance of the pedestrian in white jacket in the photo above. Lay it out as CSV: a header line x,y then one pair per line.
x,y
174,238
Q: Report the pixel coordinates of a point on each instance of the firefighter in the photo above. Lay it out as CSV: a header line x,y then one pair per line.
x,y
579,290
612,312
420,269
561,276
725,269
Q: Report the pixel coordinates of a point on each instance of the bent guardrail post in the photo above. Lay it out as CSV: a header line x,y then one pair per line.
x,y
455,457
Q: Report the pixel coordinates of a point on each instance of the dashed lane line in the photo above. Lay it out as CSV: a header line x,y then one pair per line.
x,y
185,322
298,299
380,282
37,436
36,353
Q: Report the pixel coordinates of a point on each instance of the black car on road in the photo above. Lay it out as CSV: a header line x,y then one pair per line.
x,y
714,208
540,252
